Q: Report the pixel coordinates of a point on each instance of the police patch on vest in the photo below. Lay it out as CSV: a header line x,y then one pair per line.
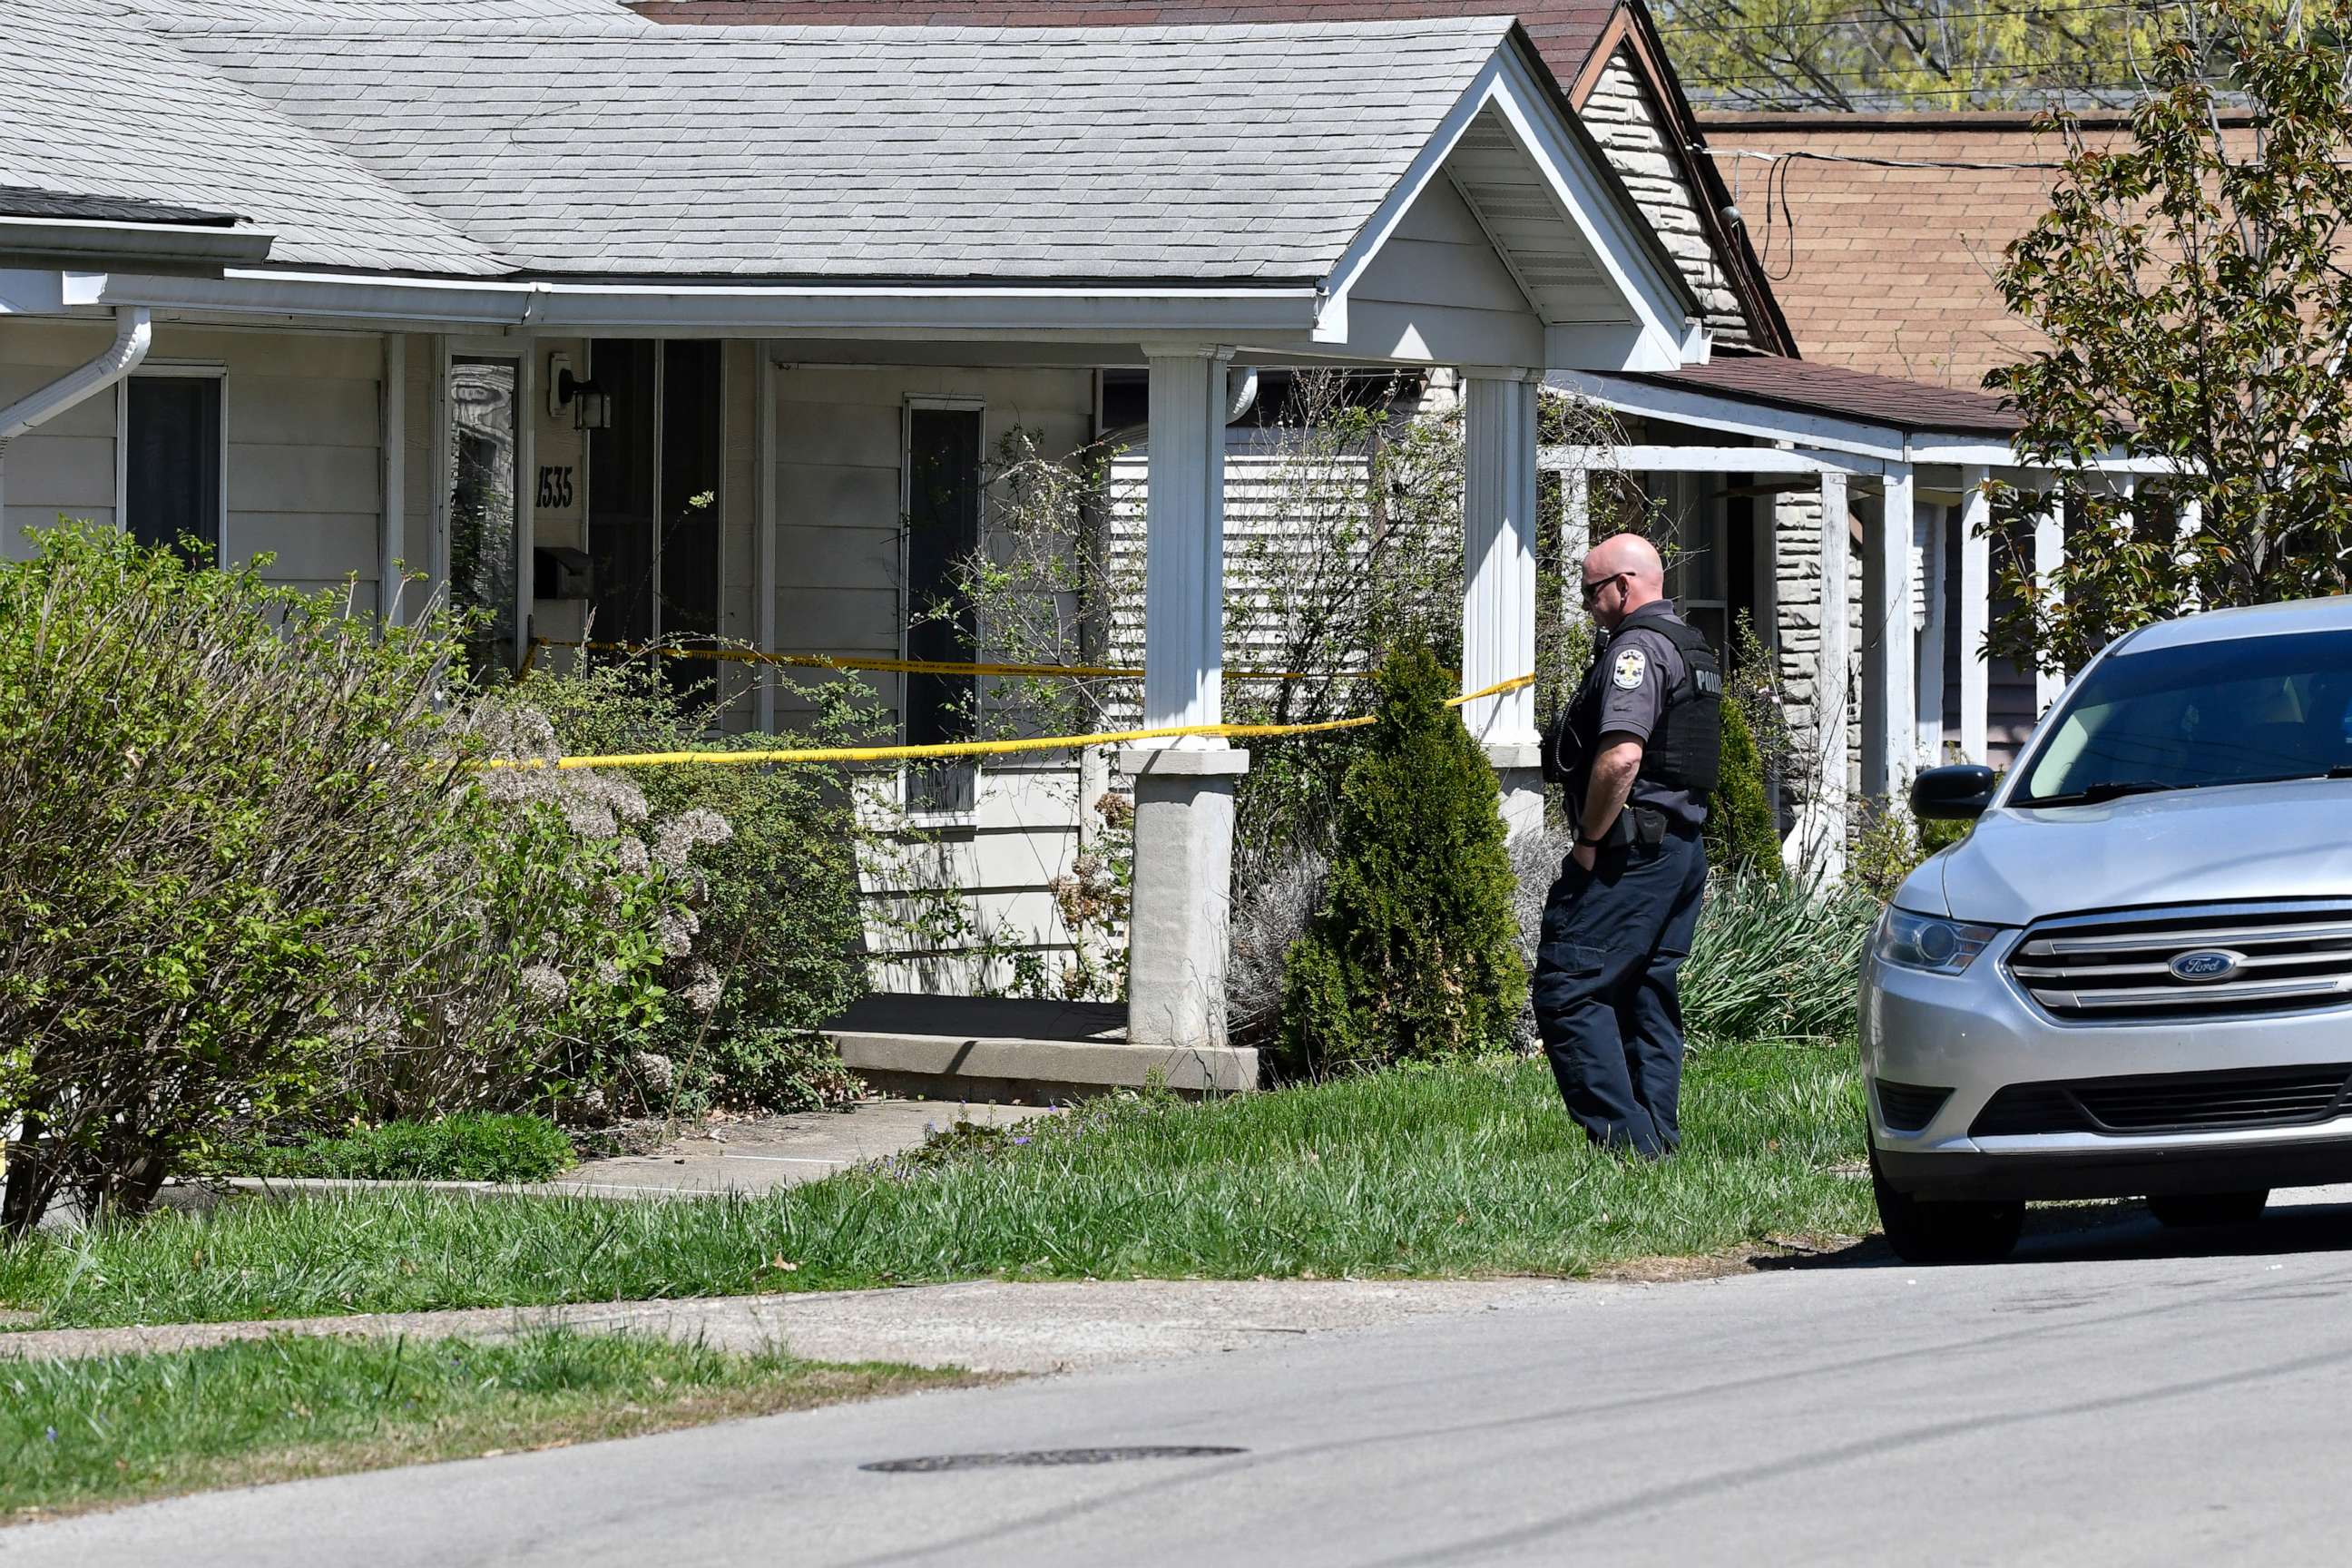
x,y
1631,665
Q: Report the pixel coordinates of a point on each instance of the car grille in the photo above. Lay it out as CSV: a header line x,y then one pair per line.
x,y
1908,1107
2118,970
2169,1103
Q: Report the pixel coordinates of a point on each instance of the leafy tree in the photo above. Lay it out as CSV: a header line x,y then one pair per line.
x,y
1901,54
1414,953
2190,280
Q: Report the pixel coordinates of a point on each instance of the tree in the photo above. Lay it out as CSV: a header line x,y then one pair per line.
x,y
2190,277
1415,952
1903,54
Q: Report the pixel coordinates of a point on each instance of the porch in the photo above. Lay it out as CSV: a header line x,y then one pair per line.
x,y
1869,558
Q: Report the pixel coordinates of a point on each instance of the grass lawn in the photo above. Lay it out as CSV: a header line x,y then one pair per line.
x,y
1460,1171
81,1433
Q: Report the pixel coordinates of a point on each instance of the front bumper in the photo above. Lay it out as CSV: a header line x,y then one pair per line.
x,y
1977,1032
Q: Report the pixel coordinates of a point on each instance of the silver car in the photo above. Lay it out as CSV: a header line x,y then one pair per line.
x,y
2134,976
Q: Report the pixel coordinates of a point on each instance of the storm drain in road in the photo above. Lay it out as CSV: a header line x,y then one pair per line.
x,y
1046,1456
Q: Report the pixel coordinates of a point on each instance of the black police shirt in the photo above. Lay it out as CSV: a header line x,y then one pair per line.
x,y
1639,667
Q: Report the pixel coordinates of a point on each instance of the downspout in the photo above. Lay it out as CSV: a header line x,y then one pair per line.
x,y
134,333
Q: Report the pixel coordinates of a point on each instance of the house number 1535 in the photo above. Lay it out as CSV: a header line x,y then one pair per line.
x,y
554,487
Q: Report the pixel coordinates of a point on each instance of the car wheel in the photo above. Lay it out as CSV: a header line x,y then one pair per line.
x,y
1923,1230
2187,1210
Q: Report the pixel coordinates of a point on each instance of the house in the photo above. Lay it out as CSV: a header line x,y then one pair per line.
x,y
499,288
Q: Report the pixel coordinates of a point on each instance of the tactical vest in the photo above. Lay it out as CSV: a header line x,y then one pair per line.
x,y
1684,752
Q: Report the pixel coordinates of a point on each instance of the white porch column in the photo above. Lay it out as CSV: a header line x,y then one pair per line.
x,y
1975,615
1820,834
1178,915
1498,576
1934,629
391,431
1889,735
2049,550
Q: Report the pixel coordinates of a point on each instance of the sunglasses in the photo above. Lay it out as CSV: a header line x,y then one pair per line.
x,y
1592,589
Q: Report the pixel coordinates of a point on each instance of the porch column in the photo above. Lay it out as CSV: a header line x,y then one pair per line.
x,y
1935,627
1975,615
2049,550
1499,583
1889,736
1820,834
391,431
1179,914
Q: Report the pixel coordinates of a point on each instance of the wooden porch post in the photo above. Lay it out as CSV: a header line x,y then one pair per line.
x,y
2049,550
1889,723
1974,616
1180,913
1498,590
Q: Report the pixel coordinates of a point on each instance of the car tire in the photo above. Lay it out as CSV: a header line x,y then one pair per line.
x,y
2187,1211
1923,1230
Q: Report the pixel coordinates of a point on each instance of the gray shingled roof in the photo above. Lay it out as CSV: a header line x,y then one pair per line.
x,y
92,104
579,146
567,137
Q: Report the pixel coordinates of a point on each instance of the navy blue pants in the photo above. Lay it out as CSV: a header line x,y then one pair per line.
x,y
1613,940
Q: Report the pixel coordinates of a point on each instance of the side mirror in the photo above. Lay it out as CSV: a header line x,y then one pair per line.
x,y
1952,794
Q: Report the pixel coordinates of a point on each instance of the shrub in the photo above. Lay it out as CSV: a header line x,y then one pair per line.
x,y
777,922
213,793
1413,954
466,1148
1743,831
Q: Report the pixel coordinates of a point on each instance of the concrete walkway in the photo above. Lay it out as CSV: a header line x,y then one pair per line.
x,y
779,1151
983,1326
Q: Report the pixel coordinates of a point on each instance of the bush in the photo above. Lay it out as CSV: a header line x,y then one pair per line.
x,y
469,1148
1413,954
1743,831
777,928
213,795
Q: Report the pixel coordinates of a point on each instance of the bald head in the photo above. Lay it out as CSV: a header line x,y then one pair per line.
x,y
1621,573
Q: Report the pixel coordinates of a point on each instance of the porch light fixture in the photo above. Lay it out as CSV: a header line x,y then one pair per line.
x,y
591,404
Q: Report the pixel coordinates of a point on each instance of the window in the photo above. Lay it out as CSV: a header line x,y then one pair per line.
x,y
485,522
944,485
653,496
172,459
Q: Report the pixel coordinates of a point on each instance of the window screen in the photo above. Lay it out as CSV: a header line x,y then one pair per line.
x,y
172,474
944,485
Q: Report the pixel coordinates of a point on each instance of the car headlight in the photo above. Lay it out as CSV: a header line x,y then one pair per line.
x,y
1926,943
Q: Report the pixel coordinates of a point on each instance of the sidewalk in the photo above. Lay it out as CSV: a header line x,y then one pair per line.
x,y
980,1326
777,1151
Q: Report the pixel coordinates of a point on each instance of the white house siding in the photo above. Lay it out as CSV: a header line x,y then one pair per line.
x,y
839,451
301,418
1622,118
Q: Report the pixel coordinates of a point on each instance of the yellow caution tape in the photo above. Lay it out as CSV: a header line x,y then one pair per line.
x,y
893,665
978,748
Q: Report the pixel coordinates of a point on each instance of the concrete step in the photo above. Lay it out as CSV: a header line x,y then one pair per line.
x,y
1019,1050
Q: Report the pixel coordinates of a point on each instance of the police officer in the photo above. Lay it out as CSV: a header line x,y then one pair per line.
x,y
1637,751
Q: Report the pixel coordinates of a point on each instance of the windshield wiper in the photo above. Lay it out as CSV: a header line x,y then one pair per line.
x,y
2106,789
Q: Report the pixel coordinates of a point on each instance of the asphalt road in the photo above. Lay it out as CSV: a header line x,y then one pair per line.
x,y
2116,1395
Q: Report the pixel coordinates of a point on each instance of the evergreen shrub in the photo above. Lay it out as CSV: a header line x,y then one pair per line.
x,y
1743,831
1415,952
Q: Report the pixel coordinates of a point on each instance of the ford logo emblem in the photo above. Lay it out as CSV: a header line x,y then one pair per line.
x,y
2205,963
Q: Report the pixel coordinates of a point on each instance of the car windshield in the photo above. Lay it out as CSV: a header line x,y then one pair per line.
x,y
2232,710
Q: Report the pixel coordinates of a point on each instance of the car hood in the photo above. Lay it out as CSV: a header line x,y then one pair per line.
x,y
2217,845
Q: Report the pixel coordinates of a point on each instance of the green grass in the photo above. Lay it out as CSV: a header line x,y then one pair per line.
x,y
1459,1171
82,1433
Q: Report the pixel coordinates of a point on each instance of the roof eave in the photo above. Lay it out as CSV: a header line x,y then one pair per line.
x,y
89,244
